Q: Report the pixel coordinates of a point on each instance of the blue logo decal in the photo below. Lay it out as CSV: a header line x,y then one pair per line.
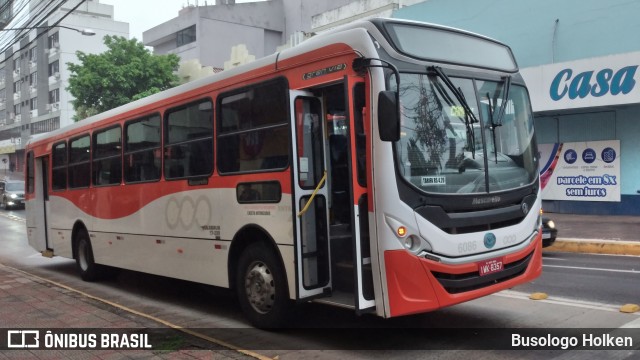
x,y
489,240
589,155
608,155
570,156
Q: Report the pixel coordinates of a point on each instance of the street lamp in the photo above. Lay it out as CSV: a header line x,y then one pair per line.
x,y
86,32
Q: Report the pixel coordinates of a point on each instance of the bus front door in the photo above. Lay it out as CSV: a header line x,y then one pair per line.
x,y
349,200
310,193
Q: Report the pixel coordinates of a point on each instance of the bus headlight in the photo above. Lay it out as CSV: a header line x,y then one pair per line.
x,y
408,237
13,196
411,243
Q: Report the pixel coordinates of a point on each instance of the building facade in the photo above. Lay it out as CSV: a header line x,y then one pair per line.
x,y
208,33
33,74
6,12
580,60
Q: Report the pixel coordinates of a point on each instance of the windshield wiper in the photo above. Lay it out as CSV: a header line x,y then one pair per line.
x,y
470,117
495,124
456,92
505,98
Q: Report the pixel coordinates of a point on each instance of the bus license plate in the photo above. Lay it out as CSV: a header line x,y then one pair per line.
x,y
490,266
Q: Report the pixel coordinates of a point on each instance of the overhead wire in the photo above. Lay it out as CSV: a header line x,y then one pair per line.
x,y
20,15
44,19
34,17
19,19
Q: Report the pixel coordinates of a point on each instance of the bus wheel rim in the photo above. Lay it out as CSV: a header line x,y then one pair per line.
x,y
260,287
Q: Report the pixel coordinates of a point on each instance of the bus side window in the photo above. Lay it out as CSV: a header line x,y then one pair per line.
x,y
189,140
174,161
107,157
59,166
142,150
259,192
252,129
79,162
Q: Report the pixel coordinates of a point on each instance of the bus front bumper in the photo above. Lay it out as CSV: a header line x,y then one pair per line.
x,y
417,285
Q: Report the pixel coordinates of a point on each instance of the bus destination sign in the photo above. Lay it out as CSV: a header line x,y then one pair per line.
x,y
324,71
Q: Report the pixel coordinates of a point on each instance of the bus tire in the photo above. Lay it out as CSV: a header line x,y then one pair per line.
x,y
261,287
89,270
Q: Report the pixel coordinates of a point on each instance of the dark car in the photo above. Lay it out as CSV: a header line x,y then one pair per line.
x,y
549,232
11,193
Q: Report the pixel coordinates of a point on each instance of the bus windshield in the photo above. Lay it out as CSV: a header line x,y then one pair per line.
x,y
444,149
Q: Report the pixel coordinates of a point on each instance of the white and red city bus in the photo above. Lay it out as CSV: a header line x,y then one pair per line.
x,y
385,166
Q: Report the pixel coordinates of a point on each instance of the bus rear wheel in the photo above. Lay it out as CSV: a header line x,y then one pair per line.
x,y
89,270
261,287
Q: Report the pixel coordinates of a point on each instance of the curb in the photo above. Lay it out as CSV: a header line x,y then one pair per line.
x,y
593,246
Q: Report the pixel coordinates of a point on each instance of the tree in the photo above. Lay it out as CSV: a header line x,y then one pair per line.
x,y
127,71
426,114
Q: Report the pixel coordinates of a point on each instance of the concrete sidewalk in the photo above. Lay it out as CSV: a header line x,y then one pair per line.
x,y
31,303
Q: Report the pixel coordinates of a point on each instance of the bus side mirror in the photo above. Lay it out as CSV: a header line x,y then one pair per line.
x,y
388,116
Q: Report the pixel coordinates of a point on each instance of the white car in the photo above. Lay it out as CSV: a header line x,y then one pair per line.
x,y
549,232
11,194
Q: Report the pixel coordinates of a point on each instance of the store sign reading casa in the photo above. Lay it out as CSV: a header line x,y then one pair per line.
x,y
594,83
603,81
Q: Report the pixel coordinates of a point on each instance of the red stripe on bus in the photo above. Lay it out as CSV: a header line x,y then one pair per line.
x,y
114,202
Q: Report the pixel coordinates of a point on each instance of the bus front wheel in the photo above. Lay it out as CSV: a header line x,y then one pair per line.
x,y
87,267
261,287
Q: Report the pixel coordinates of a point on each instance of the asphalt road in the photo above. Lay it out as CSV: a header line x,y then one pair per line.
x,y
606,279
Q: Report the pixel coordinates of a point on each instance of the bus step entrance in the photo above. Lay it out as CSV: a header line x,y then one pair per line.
x,y
342,257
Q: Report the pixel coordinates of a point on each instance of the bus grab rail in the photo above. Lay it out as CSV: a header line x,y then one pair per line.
x,y
313,195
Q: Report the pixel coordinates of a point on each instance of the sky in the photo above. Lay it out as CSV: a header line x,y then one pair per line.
x,y
142,15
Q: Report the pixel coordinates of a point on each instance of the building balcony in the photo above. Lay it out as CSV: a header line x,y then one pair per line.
x,y
54,79
16,97
53,107
53,51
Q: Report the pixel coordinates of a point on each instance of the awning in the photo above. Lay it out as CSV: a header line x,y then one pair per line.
x,y
8,149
